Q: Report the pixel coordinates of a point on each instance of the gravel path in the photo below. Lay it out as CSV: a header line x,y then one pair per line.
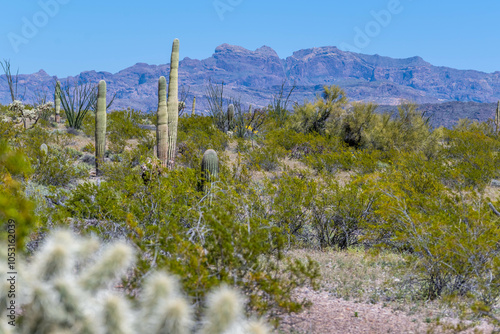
x,y
329,315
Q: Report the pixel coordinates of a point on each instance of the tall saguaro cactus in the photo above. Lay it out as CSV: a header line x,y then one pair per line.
x,y
230,117
100,125
194,104
497,118
162,122
57,101
172,104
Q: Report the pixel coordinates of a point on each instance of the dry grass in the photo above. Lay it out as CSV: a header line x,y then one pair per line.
x,y
368,293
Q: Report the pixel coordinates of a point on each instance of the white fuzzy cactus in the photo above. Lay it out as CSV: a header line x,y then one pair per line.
x,y
69,286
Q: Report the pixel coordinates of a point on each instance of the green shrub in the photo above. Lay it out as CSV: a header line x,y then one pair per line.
x,y
57,168
14,205
265,157
340,213
88,124
90,148
99,198
289,206
472,158
451,236
322,116
206,240
125,123
196,135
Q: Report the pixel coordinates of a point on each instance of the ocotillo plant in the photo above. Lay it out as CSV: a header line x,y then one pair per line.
x,y
162,122
57,102
100,125
230,117
194,104
209,169
173,104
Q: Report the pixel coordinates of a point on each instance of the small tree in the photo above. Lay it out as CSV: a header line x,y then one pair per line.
x,y
314,117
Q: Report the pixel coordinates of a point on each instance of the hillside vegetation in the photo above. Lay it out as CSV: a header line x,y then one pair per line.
x,y
331,176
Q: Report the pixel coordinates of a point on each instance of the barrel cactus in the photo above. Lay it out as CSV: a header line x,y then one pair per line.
x,y
100,125
57,102
209,169
172,104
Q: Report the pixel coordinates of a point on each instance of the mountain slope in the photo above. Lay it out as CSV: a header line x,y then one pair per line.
x,y
254,76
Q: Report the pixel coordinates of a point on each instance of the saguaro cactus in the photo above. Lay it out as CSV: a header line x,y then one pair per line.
x,y
230,117
497,118
100,125
194,104
162,122
173,103
209,169
57,101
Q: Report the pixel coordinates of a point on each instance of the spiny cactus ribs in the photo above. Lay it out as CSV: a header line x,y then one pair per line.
x,y
230,117
209,169
173,104
57,102
168,112
100,126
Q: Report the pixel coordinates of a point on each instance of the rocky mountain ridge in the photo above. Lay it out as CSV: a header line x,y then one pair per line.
x,y
254,76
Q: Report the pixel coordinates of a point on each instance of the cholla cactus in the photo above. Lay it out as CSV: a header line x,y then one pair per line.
x,y
70,287
17,107
19,110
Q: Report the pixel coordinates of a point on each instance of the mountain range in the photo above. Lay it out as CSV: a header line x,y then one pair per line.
x,y
254,76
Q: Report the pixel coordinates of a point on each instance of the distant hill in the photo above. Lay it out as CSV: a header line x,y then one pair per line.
x,y
254,76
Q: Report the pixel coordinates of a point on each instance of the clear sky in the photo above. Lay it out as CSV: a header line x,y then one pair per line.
x,y
65,37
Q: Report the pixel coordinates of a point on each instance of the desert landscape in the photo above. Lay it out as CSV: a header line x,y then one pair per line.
x,y
330,191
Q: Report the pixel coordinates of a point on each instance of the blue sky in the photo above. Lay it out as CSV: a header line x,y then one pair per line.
x,y
79,35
